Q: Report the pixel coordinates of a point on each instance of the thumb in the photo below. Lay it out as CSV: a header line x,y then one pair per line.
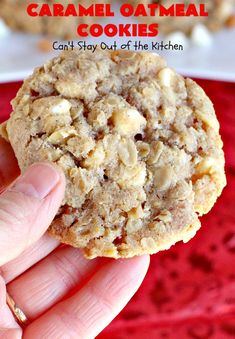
x,y
28,207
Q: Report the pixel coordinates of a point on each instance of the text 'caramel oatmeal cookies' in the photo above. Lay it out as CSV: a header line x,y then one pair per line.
x,y
138,143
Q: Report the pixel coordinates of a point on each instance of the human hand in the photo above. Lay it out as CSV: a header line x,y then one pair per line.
x,y
62,294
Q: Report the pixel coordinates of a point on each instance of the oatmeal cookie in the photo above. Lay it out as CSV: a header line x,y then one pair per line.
x,y
219,12
14,13
138,143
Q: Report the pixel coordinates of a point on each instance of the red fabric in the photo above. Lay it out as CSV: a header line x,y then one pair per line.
x,y
189,291
7,93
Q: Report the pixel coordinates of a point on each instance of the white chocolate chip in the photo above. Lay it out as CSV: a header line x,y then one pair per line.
x,y
165,76
206,166
53,112
62,135
226,8
132,176
4,30
163,177
63,106
128,121
201,36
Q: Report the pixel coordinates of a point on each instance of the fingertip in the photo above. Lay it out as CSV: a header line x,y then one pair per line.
x,y
126,271
140,261
60,187
61,176
44,164
139,264
146,263
40,180
53,165
144,259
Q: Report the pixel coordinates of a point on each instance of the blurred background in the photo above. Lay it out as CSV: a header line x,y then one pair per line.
x,y
208,43
189,291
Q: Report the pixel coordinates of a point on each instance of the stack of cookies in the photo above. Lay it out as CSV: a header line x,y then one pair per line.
x,y
14,13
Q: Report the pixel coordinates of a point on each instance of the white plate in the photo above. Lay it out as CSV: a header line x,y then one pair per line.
x,y
20,55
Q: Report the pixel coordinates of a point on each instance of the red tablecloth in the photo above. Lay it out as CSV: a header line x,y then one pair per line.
x,y
189,291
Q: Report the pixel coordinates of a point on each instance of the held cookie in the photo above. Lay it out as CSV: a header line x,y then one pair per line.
x,y
138,143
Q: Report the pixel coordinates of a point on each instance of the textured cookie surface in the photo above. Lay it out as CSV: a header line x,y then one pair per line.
x,y
139,145
218,13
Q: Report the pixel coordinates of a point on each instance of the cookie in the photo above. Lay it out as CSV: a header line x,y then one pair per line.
x,y
219,11
14,13
138,143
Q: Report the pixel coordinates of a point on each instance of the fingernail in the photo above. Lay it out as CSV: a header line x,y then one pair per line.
x,y
38,181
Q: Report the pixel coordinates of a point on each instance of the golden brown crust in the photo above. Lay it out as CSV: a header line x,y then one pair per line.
x,y
3,131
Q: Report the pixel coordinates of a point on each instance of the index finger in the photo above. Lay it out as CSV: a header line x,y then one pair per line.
x,y
9,169
87,312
